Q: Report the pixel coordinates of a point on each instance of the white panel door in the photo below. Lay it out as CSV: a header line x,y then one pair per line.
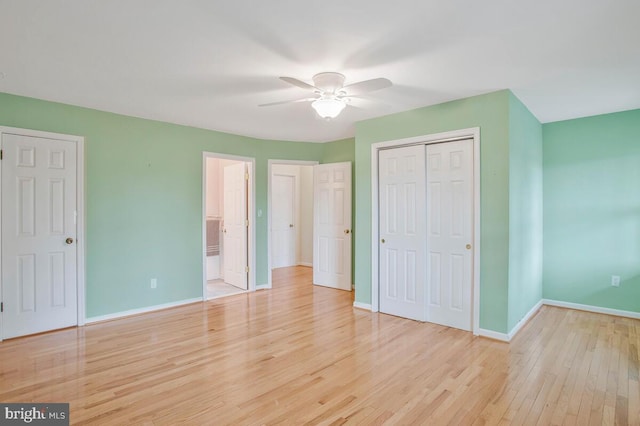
x,y
402,228
450,233
283,230
39,275
235,226
332,225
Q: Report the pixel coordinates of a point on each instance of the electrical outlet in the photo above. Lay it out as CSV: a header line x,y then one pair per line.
x,y
615,280
154,282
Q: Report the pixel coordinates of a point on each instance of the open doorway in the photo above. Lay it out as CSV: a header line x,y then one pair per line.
x,y
227,231
290,237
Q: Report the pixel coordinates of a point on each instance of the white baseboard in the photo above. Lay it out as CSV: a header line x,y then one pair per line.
x,y
359,305
130,312
588,308
506,337
591,308
503,337
524,319
308,264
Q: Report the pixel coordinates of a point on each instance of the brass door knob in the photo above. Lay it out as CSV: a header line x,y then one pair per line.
x,y
346,231
69,240
468,246
382,241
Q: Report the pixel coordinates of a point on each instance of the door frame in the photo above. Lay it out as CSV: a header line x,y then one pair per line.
x,y
251,217
80,212
470,133
270,163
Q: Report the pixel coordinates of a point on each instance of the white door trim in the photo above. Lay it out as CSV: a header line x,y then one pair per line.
x,y
270,163
470,133
80,219
251,232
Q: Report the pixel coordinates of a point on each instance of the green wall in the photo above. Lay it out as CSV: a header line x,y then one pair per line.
x,y
592,210
490,113
575,202
525,211
144,197
339,151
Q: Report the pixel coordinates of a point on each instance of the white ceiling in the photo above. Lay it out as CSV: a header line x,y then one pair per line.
x,y
209,63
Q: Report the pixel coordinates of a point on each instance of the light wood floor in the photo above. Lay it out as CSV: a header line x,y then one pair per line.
x,y
301,354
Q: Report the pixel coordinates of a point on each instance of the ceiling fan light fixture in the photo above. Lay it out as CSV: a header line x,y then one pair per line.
x,y
328,107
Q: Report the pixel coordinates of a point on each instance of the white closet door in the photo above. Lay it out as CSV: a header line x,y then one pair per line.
x,y
39,271
332,225
402,246
450,233
283,230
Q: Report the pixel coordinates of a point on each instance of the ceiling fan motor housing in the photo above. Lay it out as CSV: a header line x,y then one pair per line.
x,y
329,82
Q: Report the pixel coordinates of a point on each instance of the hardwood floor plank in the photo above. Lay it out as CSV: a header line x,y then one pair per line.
x,y
301,354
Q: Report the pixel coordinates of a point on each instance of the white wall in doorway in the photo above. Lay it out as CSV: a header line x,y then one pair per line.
x,y
306,216
215,185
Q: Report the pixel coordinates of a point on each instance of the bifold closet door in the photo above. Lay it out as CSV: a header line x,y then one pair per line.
x,y
402,231
426,232
450,233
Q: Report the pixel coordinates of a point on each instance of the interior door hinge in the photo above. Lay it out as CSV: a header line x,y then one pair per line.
x,y
246,222
246,176
246,269
1,154
1,306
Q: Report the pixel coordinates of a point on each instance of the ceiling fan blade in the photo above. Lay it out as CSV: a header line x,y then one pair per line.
x,y
299,83
366,86
288,102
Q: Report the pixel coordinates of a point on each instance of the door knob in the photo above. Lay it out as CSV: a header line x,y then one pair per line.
x,y
382,241
291,225
468,246
346,231
69,240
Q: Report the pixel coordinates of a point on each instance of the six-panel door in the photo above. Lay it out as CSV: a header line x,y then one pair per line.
x,y
402,231
332,225
38,234
426,232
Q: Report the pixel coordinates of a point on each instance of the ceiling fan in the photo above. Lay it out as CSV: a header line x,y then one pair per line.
x,y
331,95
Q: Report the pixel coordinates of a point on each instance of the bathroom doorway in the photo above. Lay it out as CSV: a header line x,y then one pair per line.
x,y
228,234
